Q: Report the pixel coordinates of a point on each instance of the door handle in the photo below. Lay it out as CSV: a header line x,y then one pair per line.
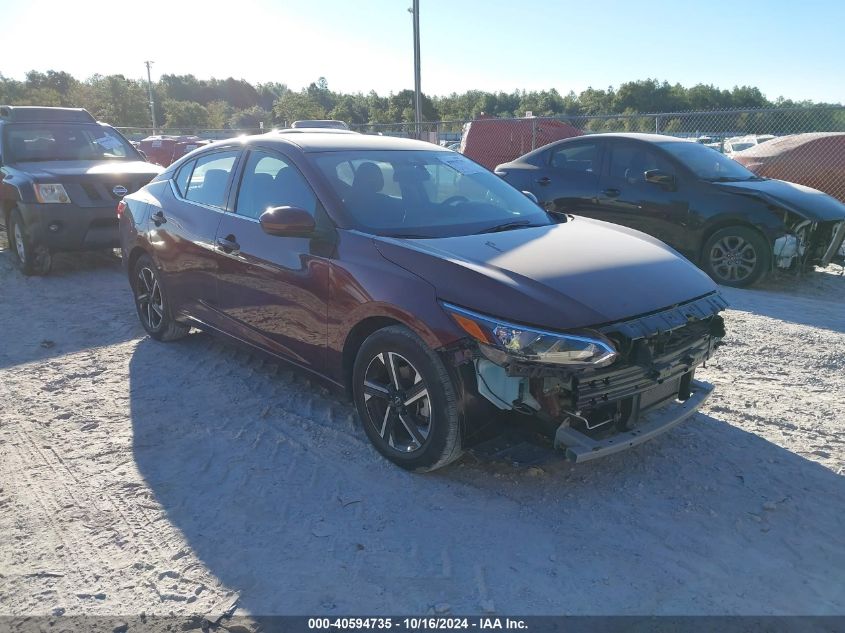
x,y
228,245
158,218
611,193
544,180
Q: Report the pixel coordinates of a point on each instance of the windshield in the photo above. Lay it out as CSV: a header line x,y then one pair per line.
x,y
64,141
425,193
707,163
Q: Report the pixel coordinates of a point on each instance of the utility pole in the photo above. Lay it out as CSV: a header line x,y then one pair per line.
x,y
415,9
150,89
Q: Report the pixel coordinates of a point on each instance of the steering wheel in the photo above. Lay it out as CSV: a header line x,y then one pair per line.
x,y
452,200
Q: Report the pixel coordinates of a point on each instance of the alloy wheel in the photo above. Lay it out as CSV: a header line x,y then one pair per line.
x,y
149,298
733,258
398,402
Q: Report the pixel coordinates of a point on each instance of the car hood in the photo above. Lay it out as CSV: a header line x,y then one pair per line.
x,y
805,201
582,273
83,169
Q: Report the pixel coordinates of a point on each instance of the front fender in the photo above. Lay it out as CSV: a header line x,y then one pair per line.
x,y
16,188
363,286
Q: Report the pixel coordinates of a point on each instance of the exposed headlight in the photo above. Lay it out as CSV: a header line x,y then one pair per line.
x,y
51,193
533,345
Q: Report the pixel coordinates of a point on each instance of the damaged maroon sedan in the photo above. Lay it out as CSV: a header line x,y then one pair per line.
x,y
433,292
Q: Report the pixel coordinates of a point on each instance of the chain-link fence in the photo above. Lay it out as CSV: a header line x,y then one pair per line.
x,y
804,145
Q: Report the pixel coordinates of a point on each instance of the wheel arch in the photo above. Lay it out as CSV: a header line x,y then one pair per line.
x,y
134,256
6,211
356,337
724,223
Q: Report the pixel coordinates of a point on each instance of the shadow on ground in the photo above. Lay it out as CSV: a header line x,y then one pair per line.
x,y
277,491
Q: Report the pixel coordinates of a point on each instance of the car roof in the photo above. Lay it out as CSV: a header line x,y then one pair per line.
x,y
333,141
636,136
639,136
39,114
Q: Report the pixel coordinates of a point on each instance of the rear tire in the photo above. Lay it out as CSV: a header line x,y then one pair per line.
x,y
30,258
736,256
406,400
151,302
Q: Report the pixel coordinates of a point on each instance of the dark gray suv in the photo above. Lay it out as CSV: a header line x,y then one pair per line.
x,y
63,174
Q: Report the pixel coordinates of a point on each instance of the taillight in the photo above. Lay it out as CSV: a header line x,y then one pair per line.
x,y
121,207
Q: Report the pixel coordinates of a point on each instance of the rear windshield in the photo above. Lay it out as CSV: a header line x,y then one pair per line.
x,y
64,141
423,193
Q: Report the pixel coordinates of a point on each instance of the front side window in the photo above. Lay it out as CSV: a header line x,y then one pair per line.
x,y
630,161
422,193
270,181
26,142
210,177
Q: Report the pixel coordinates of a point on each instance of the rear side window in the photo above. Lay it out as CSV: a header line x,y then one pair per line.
x,y
209,178
271,181
181,180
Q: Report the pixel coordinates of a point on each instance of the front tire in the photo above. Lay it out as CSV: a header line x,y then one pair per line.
x,y
736,256
151,302
406,400
29,257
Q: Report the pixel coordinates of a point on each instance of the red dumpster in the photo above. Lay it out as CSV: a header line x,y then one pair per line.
x,y
491,142
162,150
186,146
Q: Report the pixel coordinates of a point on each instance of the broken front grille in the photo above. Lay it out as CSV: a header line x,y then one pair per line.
x,y
653,349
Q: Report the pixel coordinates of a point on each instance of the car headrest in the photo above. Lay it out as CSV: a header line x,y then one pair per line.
x,y
368,178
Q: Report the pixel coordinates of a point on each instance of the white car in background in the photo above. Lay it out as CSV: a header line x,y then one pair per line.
x,y
738,143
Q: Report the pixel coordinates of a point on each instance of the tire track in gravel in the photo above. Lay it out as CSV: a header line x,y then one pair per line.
x,y
27,477
90,548
80,490
115,527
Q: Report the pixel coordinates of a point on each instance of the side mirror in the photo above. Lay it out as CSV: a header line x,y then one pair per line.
x,y
287,222
657,177
143,155
531,197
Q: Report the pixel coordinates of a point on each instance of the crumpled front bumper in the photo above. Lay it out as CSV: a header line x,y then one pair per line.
x,y
581,448
836,248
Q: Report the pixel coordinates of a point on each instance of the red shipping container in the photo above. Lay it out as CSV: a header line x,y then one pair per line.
x,y
491,142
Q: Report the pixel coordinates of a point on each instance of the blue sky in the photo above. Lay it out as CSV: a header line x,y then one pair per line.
x,y
790,49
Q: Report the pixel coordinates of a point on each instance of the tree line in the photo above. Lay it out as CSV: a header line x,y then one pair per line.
x,y
186,102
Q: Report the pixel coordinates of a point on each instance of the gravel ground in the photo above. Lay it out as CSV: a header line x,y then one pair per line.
x,y
189,478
